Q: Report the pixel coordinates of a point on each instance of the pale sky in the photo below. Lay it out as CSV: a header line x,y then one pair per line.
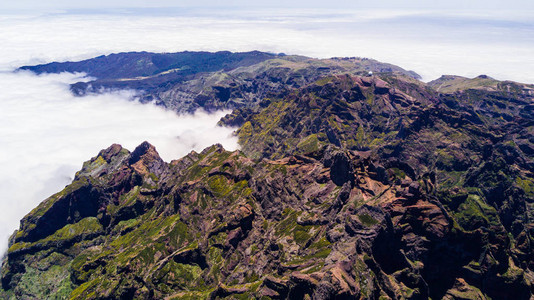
x,y
519,5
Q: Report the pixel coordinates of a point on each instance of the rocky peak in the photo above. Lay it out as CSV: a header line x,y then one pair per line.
x,y
110,152
145,159
144,151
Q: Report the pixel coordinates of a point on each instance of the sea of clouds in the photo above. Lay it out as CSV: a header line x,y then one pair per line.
x,y
46,133
432,43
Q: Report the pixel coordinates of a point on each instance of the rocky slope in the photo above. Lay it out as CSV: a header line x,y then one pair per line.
x,y
371,187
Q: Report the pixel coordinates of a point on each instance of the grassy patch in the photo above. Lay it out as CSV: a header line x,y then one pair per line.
x,y
367,220
526,185
85,226
474,213
308,144
219,185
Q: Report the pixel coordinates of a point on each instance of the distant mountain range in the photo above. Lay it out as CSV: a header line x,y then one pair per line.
x,y
354,180
186,81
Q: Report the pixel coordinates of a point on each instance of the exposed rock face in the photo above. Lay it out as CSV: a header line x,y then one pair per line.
x,y
349,187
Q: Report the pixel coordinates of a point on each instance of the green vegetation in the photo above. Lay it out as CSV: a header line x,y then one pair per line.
x,y
219,185
367,220
527,186
474,213
85,226
309,144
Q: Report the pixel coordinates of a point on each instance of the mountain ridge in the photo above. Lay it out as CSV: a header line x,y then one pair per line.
x,y
349,186
186,81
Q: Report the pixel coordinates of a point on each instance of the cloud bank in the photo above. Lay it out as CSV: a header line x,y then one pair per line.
x,y
432,43
46,134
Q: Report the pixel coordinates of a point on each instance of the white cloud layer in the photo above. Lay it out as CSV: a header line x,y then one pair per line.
x,y
46,134
431,43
